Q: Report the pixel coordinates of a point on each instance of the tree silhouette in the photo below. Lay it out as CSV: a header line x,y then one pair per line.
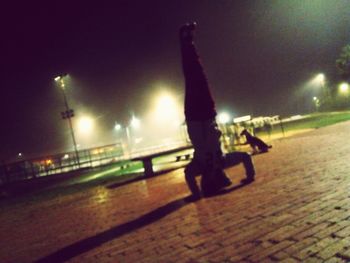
x,y
343,62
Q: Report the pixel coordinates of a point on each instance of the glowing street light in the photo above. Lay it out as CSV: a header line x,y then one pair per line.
x,y
117,127
135,122
344,88
85,124
165,101
316,102
68,113
223,117
165,108
325,98
320,79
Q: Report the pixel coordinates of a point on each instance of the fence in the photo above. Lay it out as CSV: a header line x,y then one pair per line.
x,y
88,158
60,163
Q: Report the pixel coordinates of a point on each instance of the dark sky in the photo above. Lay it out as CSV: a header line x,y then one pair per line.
x,y
257,55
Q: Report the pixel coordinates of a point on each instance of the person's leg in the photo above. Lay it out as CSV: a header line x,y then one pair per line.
x,y
213,182
205,137
191,171
222,179
200,116
235,158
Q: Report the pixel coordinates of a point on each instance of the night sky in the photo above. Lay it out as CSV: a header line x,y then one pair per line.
x,y
258,55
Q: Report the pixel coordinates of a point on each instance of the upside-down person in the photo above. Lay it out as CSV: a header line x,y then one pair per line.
x,y
209,160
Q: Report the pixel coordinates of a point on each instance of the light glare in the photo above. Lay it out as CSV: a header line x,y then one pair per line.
x,y
344,87
223,117
165,109
320,79
135,123
85,125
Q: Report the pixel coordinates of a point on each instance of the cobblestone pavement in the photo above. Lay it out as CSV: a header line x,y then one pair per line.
x,y
297,210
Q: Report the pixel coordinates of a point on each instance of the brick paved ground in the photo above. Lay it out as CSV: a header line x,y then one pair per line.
x,y
297,210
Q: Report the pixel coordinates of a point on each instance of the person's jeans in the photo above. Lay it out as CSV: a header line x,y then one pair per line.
x,y
235,158
194,168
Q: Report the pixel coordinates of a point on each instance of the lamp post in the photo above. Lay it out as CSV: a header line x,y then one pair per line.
x,y
68,114
320,79
316,102
320,82
119,127
344,88
325,100
223,120
343,95
134,123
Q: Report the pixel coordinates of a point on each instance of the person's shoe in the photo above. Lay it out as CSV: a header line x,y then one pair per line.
x,y
187,31
188,27
247,180
222,180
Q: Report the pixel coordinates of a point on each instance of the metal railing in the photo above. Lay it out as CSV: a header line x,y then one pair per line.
x,y
60,163
104,155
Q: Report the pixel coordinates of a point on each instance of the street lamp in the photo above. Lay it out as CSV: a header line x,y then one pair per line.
x,y
223,118
134,123
85,125
316,102
325,98
68,113
117,127
344,88
320,79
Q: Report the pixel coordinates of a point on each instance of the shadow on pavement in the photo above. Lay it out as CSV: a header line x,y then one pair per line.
x,y
140,178
229,190
60,183
90,243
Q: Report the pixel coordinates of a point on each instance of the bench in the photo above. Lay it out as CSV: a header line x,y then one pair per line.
x,y
183,157
147,159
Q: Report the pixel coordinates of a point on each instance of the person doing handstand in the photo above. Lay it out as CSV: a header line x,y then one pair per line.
x,y
209,160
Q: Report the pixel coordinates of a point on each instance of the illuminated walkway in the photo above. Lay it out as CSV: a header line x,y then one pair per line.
x,y
298,210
